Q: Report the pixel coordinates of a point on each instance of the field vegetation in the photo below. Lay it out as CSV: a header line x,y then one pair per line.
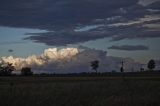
x,y
109,89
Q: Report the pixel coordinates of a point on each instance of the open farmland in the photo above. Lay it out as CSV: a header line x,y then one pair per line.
x,y
80,91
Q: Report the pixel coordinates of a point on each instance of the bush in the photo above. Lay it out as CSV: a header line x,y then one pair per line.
x,y
26,71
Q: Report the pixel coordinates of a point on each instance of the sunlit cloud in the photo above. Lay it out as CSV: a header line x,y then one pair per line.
x,y
49,55
70,60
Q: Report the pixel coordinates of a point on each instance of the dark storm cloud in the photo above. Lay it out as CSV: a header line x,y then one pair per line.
x,y
154,5
135,33
63,16
129,47
62,38
47,13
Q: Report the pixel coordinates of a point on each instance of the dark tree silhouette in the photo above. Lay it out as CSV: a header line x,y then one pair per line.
x,y
151,64
6,70
1,70
26,71
95,65
10,68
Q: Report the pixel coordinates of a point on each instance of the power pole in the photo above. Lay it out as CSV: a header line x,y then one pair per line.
x,y
122,67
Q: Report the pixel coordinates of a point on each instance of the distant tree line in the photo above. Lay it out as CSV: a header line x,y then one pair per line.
x,y
150,65
7,69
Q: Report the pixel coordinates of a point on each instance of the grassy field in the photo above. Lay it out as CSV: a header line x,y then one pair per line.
x,y
80,91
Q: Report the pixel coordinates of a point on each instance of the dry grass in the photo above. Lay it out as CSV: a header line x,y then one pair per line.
x,y
79,91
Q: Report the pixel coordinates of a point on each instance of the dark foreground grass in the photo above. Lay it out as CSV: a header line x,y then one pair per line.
x,y
79,91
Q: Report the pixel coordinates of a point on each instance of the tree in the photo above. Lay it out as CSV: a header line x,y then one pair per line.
x,y
151,64
26,71
1,70
6,70
9,68
95,65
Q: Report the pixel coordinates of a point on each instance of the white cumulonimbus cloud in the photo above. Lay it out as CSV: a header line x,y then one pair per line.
x,y
71,60
51,55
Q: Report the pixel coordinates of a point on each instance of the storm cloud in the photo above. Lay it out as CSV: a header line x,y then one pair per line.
x,y
63,38
125,19
48,13
129,47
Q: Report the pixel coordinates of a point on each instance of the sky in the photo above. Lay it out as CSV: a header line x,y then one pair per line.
x,y
126,30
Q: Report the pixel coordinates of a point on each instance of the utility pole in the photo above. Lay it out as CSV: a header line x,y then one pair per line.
x,y
122,67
